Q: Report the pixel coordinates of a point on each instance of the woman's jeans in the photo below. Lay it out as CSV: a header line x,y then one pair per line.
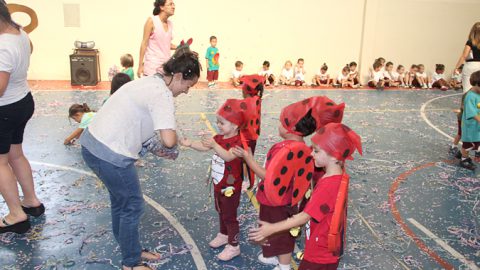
x,y
126,202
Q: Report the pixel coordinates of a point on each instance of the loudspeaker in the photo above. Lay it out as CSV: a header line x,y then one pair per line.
x,y
85,67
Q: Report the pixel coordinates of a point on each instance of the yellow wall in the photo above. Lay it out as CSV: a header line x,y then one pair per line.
x,y
406,32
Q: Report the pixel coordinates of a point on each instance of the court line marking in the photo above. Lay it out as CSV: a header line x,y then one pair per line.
x,y
424,115
250,194
195,252
444,245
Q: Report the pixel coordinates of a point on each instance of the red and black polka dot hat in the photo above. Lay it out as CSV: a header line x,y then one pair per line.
x,y
254,117
324,111
338,140
250,83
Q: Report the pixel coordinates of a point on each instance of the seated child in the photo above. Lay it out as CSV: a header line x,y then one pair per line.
x,y
438,78
377,77
237,74
410,76
322,78
332,146
353,75
287,77
388,75
267,74
127,63
300,72
342,79
82,115
421,78
399,76
456,80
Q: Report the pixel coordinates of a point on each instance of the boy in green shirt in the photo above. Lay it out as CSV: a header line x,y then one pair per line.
x,y
471,123
212,56
127,63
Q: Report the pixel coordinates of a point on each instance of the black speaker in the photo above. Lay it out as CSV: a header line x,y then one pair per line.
x,y
85,67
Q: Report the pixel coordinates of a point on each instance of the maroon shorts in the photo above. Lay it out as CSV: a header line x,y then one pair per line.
x,y
471,146
416,84
227,213
212,75
279,243
306,265
372,84
459,133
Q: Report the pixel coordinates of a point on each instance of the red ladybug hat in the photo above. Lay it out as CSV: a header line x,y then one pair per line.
x,y
235,111
338,140
324,111
250,83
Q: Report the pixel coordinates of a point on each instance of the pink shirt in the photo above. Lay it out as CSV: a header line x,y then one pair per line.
x,y
158,48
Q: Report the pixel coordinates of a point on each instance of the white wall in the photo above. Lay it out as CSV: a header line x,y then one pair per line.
x,y
406,32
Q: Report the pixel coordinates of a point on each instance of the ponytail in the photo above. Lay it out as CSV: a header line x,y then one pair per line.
x,y
5,15
157,4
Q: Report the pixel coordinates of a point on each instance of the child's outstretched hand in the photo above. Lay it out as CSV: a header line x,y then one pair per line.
x,y
208,142
238,151
260,234
185,142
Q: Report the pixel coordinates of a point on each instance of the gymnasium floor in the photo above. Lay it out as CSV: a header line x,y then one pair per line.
x,y
410,206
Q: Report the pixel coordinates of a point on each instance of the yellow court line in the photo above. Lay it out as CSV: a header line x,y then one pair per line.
x,y
250,194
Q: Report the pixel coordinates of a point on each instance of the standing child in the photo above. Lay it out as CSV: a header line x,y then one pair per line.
x,y
287,77
298,120
269,78
82,115
213,65
322,78
471,123
421,78
353,75
454,151
410,77
438,78
237,74
227,173
376,77
342,79
127,63
332,145
300,72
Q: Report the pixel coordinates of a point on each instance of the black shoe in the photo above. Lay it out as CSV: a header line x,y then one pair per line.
x,y
19,228
467,164
477,154
34,211
455,152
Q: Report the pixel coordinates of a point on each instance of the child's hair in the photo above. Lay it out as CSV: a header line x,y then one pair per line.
x,y
238,64
324,67
77,108
118,80
300,60
388,64
346,68
439,67
475,78
212,38
381,59
183,61
266,63
399,67
307,125
414,66
420,66
157,4
352,64
377,64
288,62
5,16
126,60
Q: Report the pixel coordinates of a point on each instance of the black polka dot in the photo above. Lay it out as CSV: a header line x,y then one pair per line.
x,y
330,104
301,172
228,145
262,188
243,106
295,193
284,170
276,182
300,154
324,208
286,122
255,81
229,168
309,176
336,113
308,159
290,155
251,122
257,121
321,130
258,102
269,157
249,88
346,153
258,131
282,191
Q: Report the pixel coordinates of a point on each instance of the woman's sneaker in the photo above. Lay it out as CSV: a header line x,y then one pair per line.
x,y
268,260
219,240
229,252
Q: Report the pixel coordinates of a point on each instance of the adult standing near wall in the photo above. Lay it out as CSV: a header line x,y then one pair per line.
x,y
138,118
16,108
157,38
470,56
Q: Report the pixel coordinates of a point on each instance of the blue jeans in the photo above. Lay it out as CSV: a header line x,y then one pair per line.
x,y
126,202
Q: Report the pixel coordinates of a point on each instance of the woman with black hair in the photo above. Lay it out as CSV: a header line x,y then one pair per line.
x,y
16,108
136,120
157,38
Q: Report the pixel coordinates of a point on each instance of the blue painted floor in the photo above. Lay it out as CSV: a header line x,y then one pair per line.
x,y
75,232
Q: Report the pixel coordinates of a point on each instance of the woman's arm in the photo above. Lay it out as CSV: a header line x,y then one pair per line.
x,y
168,137
147,30
266,229
75,135
4,77
463,56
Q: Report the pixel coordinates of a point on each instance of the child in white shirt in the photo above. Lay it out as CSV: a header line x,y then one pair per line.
x,y
265,72
438,78
287,77
237,74
322,78
299,72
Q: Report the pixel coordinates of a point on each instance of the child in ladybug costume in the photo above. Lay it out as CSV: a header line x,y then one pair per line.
x,y
325,213
289,169
227,171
